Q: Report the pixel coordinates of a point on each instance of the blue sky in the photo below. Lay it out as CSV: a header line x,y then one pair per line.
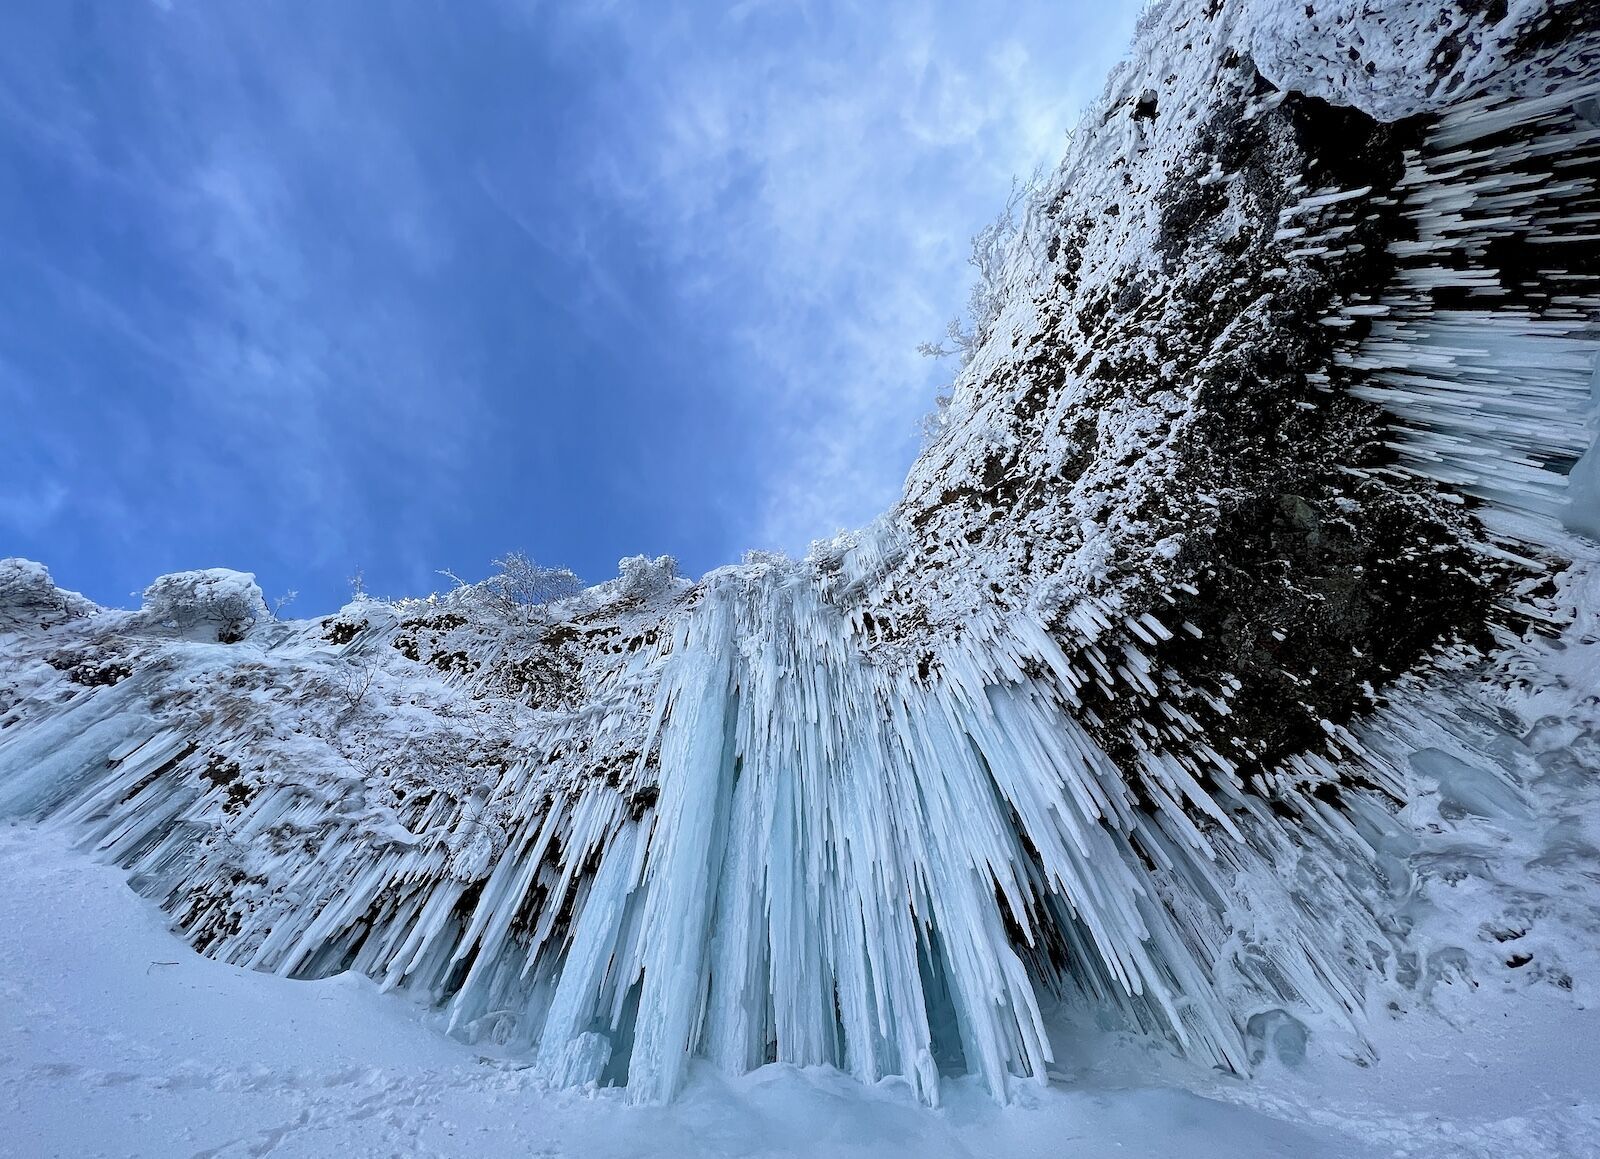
x,y
305,288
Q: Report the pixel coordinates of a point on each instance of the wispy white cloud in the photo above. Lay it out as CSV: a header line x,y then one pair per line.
x,y
815,173
35,507
308,220
284,224
414,290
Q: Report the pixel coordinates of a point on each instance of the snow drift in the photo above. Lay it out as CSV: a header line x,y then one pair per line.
x,y
1254,520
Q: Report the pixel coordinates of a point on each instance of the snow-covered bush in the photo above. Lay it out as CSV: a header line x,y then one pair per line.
x,y
28,596
522,583
215,604
514,591
639,577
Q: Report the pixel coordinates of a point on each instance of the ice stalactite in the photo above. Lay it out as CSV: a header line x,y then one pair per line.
x,y
1261,463
1484,347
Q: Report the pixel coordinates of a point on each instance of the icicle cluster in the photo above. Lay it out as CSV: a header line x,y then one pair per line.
x,y
1088,717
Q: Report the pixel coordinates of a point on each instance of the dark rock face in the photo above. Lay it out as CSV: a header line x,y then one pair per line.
x,y
1313,574
1249,490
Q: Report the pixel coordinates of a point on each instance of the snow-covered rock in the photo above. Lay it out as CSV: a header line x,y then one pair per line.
x,y
29,598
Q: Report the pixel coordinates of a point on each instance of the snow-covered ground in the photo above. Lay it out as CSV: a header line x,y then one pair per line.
x,y
120,1041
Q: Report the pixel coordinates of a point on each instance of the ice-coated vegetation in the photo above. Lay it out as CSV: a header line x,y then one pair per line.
x,y
1246,560
214,604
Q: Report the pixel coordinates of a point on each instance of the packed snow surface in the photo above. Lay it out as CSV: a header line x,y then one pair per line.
x,y
123,1041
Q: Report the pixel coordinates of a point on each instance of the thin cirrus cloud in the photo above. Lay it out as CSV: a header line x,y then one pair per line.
x,y
815,173
216,346
304,289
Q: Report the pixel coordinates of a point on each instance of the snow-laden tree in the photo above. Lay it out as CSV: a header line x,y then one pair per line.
x,y
520,583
